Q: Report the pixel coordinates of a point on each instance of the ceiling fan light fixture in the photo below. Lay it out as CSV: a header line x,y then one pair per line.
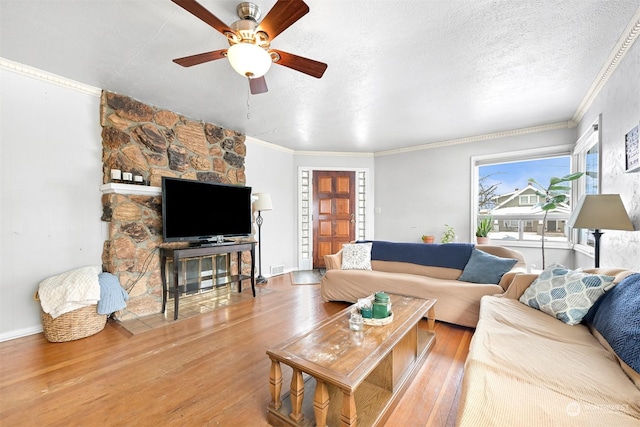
x,y
249,60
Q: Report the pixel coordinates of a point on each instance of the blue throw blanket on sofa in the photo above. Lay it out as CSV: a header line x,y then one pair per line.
x,y
617,318
450,255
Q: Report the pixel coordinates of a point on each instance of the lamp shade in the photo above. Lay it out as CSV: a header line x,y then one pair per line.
x,y
263,202
601,212
249,60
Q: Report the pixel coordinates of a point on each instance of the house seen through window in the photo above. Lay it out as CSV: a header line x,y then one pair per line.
x,y
504,193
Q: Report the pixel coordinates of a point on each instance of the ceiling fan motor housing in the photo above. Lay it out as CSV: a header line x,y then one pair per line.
x,y
245,32
249,11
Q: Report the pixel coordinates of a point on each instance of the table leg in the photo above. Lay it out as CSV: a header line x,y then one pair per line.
x,y
296,395
253,269
431,319
239,254
275,384
321,403
163,274
176,284
349,416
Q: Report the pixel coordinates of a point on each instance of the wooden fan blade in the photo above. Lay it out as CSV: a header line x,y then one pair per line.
x,y
258,85
200,58
196,9
281,16
304,65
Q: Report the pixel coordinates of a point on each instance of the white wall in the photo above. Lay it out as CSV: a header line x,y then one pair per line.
x,y
419,192
50,170
328,161
270,169
619,103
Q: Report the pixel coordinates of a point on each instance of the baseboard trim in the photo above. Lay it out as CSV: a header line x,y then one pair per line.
x,y
19,333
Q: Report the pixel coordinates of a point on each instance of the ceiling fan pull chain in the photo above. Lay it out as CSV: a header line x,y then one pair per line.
x,y
248,103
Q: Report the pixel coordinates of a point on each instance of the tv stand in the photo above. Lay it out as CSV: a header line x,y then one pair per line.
x,y
177,253
208,243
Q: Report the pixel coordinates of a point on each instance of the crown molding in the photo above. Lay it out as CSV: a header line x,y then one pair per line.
x,y
335,153
268,145
478,138
45,76
626,40
276,147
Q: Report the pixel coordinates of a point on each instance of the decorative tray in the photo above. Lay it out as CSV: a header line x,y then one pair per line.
x,y
372,321
378,322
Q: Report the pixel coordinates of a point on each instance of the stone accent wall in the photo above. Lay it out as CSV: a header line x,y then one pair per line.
x,y
155,142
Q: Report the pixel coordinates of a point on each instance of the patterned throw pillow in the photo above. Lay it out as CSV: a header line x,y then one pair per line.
x,y
356,256
566,294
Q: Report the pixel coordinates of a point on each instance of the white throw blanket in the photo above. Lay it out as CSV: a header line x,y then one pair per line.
x,y
69,291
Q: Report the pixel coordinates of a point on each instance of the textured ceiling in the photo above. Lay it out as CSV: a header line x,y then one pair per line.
x,y
401,73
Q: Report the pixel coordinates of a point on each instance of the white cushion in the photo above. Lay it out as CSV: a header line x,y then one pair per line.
x,y
356,256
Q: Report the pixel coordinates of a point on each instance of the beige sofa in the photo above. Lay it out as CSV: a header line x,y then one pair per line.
x,y
458,302
527,368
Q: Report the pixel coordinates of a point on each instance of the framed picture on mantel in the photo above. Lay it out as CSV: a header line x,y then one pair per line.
x,y
632,150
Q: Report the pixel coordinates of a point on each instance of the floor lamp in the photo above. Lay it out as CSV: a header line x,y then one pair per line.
x,y
600,211
262,203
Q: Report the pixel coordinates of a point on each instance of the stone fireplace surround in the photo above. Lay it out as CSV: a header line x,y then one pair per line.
x,y
153,143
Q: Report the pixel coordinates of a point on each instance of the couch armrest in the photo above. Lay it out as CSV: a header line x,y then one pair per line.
x,y
519,284
333,261
507,278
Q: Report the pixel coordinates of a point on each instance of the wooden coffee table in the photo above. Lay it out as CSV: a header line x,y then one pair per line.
x,y
351,375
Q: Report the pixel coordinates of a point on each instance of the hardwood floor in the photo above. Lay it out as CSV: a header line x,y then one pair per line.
x,y
204,371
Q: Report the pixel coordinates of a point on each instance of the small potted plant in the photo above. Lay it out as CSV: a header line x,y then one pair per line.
x,y
484,228
449,235
427,238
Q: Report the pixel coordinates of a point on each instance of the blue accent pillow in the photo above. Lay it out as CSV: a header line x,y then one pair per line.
x,y
485,268
618,320
566,294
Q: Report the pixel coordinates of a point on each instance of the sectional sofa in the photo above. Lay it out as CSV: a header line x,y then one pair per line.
x,y
456,274
530,367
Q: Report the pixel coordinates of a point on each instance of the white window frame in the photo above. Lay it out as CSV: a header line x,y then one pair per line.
x,y
589,139
528,201
508,157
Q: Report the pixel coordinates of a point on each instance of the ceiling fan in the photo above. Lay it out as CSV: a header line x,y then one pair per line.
x,y
249,51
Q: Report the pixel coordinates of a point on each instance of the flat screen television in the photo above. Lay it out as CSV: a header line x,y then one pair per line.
x,y
194,211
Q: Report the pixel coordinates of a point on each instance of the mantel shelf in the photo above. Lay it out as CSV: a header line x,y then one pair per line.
x,y
139,190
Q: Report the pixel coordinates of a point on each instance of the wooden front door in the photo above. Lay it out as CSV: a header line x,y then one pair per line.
x,y
334,209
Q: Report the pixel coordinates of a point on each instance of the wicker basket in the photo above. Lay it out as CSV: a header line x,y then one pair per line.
x,y
374,322
379,322
80,323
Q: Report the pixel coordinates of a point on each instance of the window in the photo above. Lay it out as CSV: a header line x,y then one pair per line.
x,y
587,159
503,192
528,200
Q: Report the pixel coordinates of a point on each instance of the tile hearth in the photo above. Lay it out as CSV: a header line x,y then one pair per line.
x,y
191,306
